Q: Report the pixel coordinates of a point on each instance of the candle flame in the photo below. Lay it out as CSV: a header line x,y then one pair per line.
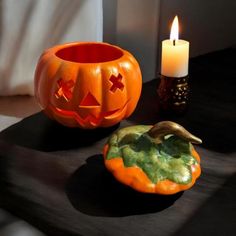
x,y
174,33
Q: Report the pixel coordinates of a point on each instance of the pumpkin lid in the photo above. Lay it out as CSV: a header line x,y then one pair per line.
x,y
162,152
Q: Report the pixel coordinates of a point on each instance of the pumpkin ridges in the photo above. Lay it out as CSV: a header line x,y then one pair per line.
x,y
60,117
86,87
126,83
115,118
105,75
53,87
108,98
65,77
118,97
136,90
165,187
100,77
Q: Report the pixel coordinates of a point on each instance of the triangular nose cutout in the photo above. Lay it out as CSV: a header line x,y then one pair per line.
x,y
89,101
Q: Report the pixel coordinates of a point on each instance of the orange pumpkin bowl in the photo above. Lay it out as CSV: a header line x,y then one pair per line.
x,y
87,84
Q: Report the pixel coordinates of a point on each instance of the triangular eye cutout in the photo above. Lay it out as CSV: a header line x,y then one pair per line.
x,y
89,101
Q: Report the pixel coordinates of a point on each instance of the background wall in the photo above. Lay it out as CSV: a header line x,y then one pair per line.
x,y
133,25
140,26
208,25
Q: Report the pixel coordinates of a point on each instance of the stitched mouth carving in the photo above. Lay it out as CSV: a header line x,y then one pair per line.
x,y
89,119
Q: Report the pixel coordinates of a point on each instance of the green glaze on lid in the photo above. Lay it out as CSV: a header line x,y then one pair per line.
x,y
170,159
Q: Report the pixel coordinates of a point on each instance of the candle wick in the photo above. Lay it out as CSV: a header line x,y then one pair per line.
x,y
174,42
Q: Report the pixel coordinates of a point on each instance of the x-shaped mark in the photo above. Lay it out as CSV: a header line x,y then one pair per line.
x,y
65,89
116,83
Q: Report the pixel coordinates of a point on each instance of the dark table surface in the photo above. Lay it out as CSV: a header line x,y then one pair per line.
x,y
54,177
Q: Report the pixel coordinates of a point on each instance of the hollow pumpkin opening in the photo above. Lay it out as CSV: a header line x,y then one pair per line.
x,y
89,53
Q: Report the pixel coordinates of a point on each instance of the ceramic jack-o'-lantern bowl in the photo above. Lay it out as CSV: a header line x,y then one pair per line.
x,y
87,84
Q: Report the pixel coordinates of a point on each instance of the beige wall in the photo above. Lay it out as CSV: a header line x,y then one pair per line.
x,y
132,24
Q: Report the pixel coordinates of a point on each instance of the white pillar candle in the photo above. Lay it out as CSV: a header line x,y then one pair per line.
x,y
175,54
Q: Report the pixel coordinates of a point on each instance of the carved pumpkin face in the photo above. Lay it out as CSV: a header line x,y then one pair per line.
x,y
87,85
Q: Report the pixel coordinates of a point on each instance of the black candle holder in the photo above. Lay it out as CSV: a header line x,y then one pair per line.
x,y
173,94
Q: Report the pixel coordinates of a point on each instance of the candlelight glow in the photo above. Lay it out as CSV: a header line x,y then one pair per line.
x,y
174,33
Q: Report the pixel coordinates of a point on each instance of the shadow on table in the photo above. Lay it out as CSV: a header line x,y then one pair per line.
x,y
147,110
40,133
216,216
94,191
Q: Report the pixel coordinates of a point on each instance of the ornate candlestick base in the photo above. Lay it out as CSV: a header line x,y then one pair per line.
x,y
173,94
